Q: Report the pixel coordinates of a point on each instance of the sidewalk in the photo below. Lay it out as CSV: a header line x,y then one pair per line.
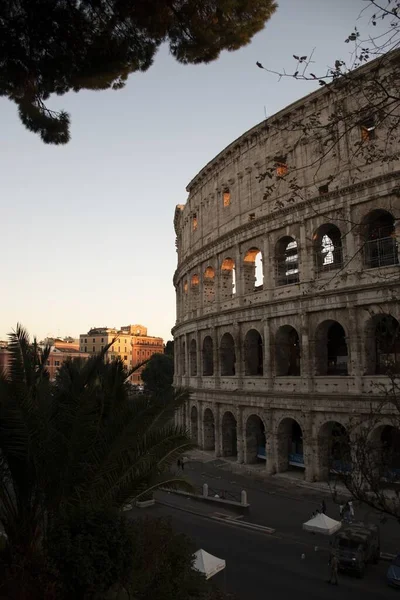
x,y
281,502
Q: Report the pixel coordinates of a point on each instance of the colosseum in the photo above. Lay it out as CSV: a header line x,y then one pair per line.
x,y
286,289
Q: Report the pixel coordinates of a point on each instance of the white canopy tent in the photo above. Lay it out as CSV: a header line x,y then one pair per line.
x,y
322,524
207,563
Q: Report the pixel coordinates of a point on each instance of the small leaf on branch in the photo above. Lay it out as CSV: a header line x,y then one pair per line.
x,y
296,57
259,65
295,74
322,82
312,75
303,57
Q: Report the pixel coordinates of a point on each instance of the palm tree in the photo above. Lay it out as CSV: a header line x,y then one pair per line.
x,y
78,442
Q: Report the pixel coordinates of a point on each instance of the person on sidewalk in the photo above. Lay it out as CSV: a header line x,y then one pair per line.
x,y
334,565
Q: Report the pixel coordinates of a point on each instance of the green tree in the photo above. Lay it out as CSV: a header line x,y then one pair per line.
x,y
77,443
53,47
158,375
169,348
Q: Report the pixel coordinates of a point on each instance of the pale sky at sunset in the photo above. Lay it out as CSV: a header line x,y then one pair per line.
x,y
87,229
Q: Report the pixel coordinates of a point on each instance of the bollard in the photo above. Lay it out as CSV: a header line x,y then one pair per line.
x,y
205,490
243,498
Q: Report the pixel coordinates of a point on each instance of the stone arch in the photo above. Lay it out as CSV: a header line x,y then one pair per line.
x,y
194,290
227,355
382,345
290,444
185,293
379,239
209,429
253,353
229,435
287,352
331,351
385,448
194,424
286,261
209,285
228,279
208,356
255,439
193,358
328,251
334,449
253,271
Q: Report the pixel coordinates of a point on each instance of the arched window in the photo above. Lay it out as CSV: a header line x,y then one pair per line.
x,y
208,356
253,271
383,345
253,353
287,352
380,245
286,261
209,285
331,352
228,356
228,279
328,253
193,358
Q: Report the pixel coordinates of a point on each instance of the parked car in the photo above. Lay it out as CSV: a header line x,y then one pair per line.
x,y
393,573
356,545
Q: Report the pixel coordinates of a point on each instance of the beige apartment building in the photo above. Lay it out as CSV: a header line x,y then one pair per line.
x,y
131,344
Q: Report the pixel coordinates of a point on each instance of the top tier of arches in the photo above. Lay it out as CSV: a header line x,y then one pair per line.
x,y
266,264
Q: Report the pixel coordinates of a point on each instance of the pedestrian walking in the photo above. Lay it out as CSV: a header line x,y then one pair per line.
x,y
334,564
323,506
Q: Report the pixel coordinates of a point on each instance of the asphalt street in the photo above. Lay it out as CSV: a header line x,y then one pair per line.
x,y
282,504
262,566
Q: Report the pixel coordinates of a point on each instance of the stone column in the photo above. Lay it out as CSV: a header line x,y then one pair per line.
x,y
272,449
187,363
267,366
269,444
217,372
309,449
352,255
354,346
199,362
217,431
305,357
200,431
239,275
305,256
267,262
239,365
240,429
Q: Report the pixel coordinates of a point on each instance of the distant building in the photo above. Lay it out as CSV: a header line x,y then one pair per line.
x,y
131,344
59,354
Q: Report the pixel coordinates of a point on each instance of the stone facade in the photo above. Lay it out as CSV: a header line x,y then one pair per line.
x,y
282,303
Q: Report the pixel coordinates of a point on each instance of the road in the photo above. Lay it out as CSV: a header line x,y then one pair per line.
x,y
282,504
261,566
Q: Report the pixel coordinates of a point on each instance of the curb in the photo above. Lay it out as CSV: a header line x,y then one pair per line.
x,y
387,556
245,525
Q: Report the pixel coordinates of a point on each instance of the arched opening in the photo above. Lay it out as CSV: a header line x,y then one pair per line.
x,y
193,358
286,261
228,356
229,435
253,271
290,445
334,449
379,238
208,356
255,440
385,449
194,425
287,352
328,252
185,288
228,279
194,290
383,345
253,353
209,429
209,285
331,352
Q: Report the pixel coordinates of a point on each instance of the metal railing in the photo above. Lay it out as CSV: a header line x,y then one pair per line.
x,y
382,252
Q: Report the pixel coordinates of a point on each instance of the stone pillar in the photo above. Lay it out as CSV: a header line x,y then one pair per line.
x,y
187,362
309,449
217,430
217,371
239,273
354,348
269,444
305,256
217,283
267,366
272,453
240,432
199,362
352,255
267,261
239,365
306,370
200,430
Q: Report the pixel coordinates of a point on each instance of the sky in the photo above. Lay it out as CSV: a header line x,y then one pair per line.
x,y
87,228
